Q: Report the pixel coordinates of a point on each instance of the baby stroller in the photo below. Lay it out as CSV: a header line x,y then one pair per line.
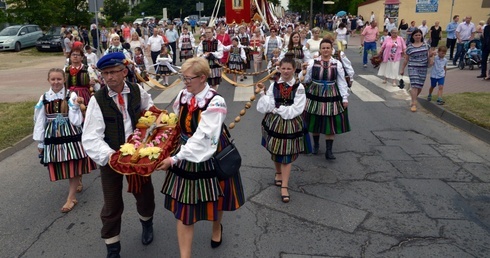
x,y
468,60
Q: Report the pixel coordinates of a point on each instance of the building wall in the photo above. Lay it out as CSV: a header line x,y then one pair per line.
x,y
443,15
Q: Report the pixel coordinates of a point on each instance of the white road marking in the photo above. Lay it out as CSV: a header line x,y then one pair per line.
x,y
244,93
364,94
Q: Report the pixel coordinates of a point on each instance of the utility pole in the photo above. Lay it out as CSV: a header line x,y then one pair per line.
x,y
311,13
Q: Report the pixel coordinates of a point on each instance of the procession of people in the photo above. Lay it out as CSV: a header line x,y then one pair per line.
x,y
97,100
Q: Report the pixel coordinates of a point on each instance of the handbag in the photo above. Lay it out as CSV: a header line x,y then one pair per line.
x,y
228,161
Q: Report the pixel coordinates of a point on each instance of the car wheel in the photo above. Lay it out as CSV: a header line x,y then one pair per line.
x,y
17,47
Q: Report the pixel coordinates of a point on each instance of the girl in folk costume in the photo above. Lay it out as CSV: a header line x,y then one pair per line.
x,y
164,64
58,131
80,78
141,62
212,49
245,41
186,44
237,57
300,52
116,46
192,191
326,103
282,127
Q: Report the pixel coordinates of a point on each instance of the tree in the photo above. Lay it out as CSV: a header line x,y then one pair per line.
x,y
115,9
46,13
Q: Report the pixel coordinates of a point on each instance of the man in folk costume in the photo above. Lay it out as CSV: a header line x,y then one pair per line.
x,y
111,117
212,49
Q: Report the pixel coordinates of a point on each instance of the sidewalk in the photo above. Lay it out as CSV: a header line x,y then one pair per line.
x,y
457,81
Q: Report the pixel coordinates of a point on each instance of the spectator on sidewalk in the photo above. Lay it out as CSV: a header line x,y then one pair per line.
x,y
451,35
391,50
424,29
368,40
485,50
438,74
464,33
417,58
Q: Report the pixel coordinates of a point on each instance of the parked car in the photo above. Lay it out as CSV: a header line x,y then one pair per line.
x,y
52,40
19,36
204,20
148,18
138,21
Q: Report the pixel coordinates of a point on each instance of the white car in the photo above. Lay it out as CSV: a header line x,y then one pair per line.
x,y
138,21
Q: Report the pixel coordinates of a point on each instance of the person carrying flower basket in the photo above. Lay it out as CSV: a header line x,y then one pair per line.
x,y
112,115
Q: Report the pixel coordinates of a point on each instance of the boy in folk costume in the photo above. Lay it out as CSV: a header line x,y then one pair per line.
x,y
186,44
212,49
237,57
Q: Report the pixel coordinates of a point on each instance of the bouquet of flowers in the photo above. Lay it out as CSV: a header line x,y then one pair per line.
x,y
154,139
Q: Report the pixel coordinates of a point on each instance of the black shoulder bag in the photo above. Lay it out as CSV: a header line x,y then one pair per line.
x,y
228,161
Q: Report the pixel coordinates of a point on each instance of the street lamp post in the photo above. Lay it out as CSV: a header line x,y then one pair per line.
x,y
311,13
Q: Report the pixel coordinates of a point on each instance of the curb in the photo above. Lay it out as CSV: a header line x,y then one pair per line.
x,y
26,141
449,117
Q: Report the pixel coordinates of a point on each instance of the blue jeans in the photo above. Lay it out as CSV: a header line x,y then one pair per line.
x,y
459,52
368,46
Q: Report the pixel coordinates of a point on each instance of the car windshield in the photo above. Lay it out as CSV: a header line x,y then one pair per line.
x,y
55,31
9,31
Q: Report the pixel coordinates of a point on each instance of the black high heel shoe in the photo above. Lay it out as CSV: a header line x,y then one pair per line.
x,y
285,198
215,244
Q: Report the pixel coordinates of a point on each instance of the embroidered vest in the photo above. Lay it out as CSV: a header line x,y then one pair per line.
x,y
113,119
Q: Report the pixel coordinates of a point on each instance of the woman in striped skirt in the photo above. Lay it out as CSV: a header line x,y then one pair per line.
x,y
193,192
58,131
282,126
417,56
326,98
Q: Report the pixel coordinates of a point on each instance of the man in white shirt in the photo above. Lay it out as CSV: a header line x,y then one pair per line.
x,y
372,17
424,29
464,33
111,117
391,25
155,44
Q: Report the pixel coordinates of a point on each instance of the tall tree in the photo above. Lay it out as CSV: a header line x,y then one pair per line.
x,y
115,9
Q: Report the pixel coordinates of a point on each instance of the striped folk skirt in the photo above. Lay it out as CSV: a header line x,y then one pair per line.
x,y
63,151
284,139
324,112
186,52
201,198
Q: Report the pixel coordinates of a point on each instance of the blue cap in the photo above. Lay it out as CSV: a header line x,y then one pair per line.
x,y
110,60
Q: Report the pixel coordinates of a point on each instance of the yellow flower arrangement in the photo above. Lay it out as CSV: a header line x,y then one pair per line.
x,y
127,149
150,152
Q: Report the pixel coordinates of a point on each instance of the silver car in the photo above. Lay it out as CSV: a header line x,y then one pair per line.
x,y
19,36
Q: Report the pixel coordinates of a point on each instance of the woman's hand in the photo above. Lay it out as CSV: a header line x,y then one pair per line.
x,y
40,150
165,164
80,100
345,104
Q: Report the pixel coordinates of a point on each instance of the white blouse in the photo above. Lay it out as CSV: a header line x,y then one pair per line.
x,y
342,84
203,143
74,114
267,104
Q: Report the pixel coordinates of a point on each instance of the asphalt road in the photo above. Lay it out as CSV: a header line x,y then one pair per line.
x,y
403,185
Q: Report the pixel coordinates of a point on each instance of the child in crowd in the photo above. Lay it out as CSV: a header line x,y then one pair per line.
x,y
438,74
474,53
282,126
92,58
271,65
141,63
57,129
164,64
382,38
237,57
